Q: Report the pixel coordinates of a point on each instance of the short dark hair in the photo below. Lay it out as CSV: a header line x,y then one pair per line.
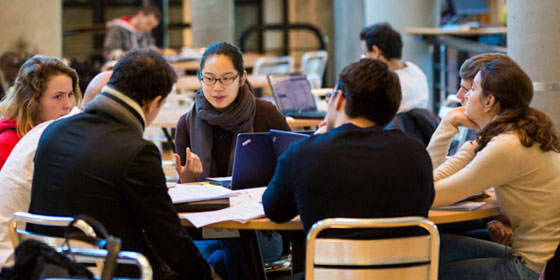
x,y
371,90
151,10
387,39
143,75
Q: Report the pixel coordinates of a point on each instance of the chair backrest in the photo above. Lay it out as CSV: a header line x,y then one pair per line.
x,y
413,257
273,65
313,64
418,123
19,234
124,257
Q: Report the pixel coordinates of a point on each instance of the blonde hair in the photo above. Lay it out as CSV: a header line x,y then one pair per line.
x,y
22,101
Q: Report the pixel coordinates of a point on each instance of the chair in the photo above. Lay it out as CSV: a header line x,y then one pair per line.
x,y
273,65
313,64
413,257
124,257
18,235
85,252
417,123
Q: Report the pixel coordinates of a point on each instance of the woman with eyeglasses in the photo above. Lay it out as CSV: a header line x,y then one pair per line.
x,y
205,142
516,151
224,107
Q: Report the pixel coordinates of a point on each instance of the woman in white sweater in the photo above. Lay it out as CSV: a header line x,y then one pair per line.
x,y
518,152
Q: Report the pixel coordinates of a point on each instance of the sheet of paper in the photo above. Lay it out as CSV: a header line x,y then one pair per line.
x,y
462,206
182,193
242,213
244,195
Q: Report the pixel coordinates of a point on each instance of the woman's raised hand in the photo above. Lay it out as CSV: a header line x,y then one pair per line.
x,y
192,168
457,117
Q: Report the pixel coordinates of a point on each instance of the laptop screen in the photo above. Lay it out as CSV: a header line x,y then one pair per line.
x,y
292,92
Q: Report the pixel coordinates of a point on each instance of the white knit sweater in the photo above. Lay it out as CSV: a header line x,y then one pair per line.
x,y
527,182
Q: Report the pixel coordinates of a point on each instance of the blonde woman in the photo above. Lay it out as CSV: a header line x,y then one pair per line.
x,y
45,89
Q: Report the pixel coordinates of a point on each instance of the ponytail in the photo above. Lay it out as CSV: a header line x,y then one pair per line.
x,y
530,125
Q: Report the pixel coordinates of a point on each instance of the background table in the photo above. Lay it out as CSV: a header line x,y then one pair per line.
x,y
168,117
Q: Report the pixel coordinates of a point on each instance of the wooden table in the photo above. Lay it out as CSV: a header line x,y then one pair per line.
x,y
459,32
490,209
248,236
167,119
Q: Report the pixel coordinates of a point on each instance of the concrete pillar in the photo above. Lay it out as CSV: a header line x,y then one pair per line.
x,y
533,38
402,14
212,21
35,23
349,19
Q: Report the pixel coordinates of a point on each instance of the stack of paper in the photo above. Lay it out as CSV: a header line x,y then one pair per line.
x,y
242,213
182,193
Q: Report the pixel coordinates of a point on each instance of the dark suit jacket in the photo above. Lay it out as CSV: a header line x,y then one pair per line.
x,y
97,164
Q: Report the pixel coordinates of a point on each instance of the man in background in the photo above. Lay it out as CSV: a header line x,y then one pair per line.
x,y
133,32
381,41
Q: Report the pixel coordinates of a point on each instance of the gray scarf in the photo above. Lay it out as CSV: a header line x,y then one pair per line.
x,y
237,118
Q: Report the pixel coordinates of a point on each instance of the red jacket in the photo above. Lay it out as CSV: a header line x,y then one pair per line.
x,y
8,139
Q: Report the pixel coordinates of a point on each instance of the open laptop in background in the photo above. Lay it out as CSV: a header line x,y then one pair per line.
x,y
255,158
293,96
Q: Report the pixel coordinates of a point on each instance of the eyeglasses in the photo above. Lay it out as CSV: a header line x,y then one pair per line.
x,y
225,80
330,94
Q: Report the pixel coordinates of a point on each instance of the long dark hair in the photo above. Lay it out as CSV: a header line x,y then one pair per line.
x,y
513,89
229,50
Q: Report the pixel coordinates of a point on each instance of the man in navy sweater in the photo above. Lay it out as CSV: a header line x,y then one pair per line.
x,y
356,169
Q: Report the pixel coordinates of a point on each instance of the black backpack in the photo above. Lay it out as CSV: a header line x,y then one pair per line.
x,y
36,260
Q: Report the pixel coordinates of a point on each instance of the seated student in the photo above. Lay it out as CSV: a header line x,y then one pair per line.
x,y
381,41
133,32
356,169
17,173
224,107
517,151
499,229
45,89
97,163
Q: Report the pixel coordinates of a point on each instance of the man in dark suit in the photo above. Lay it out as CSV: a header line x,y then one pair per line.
x,y
356,169
98,164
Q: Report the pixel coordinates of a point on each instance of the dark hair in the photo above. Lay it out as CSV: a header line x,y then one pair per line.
x,y
471,66
151,10
223,48
511,86
143,75
231,51
371,90
387,39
